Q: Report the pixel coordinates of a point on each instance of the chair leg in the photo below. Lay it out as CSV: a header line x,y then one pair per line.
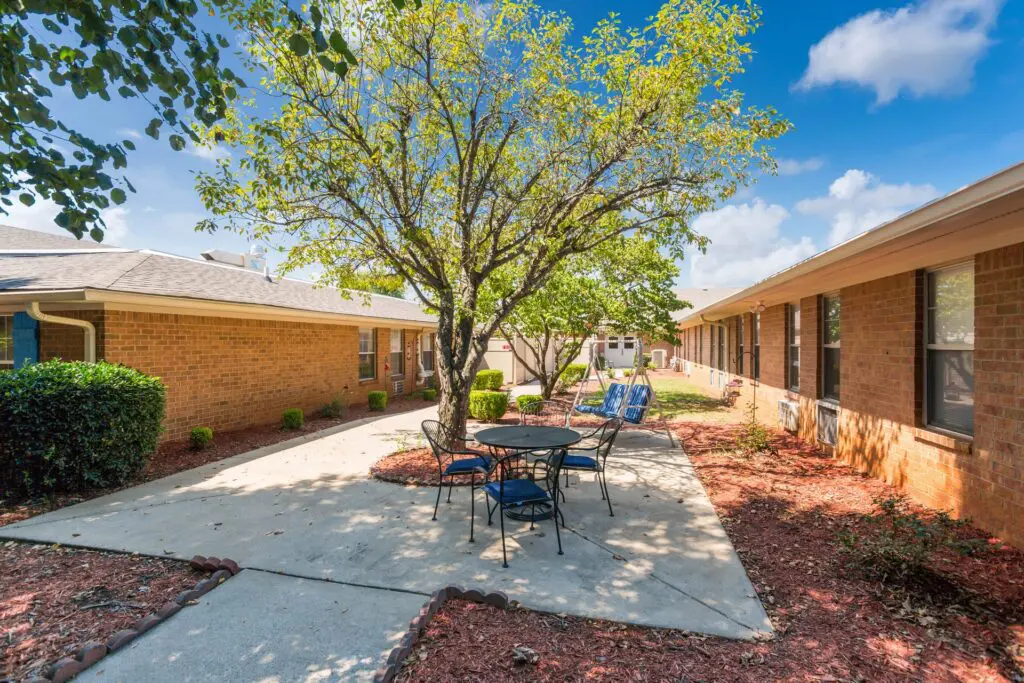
x,y
451,483
558,534
600,483
607,495
533,515
490,513
472,505
440,485
501,519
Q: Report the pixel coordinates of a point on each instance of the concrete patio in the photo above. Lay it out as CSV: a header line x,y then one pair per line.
x,y
307,512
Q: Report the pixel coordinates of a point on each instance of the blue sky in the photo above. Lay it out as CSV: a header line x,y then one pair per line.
x,y
893,105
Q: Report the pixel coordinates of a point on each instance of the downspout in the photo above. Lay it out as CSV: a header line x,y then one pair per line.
x,y
90,331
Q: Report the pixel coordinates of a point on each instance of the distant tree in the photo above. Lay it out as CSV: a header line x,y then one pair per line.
x,y
475,144
623,286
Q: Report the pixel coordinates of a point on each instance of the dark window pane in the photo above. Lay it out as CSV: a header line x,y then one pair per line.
x,y
831,380
757,362
831,332
794,367
951,390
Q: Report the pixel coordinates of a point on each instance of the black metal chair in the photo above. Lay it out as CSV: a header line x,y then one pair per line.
x,y
453,461
592,458
509,490
547,412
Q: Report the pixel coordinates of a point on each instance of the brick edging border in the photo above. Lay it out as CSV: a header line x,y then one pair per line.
x,y
398,654
92,652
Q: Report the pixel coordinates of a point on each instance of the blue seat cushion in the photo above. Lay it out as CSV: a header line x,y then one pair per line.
x,y
637,403
467,465
612,402
591,410
516,491
579,462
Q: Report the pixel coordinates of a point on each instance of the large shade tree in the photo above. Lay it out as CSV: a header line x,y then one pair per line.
x,y
622,286
477,143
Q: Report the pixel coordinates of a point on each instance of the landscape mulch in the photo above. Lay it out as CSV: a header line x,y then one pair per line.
x,y
177,456
783,513
53,600
413,467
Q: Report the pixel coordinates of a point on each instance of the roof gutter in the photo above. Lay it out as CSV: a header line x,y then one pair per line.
x,y
90,331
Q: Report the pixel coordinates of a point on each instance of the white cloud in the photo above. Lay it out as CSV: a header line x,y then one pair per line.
x,y
926,48
746,245
858,201
209,153
130,133
798,166
40,217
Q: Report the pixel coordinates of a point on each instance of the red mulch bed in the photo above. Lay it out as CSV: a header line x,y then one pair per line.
x,y
53,600
833,623
413,467
177,456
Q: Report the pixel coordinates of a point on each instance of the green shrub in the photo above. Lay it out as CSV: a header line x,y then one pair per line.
x,y
628,372
489,380
73,426
898,543
200,437
572,375
378,400
488,405
430,394
648,361
336,408
293,418
754,437
527,399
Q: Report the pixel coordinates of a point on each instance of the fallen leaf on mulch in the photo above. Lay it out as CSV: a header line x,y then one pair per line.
x,y
53,600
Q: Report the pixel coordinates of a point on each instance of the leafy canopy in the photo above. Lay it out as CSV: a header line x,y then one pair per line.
x,y
474,145
98,48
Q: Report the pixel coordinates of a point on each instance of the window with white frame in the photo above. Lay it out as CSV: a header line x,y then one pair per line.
x,y
397,352
427,352
628,342
830,347
720,353
793,345
949,349
367,353
740,345
757,346
6,342
613,342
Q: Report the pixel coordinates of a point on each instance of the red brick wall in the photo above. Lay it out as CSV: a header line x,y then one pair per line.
x,y
881,391
233,373
67,342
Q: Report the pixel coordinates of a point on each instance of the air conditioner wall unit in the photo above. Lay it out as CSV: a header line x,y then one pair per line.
x,y
398,387
789,415
828,423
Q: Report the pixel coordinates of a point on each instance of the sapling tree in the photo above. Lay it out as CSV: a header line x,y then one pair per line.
x,y
477,144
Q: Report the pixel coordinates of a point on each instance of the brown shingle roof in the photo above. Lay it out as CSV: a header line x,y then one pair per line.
x,y
143,272
19,238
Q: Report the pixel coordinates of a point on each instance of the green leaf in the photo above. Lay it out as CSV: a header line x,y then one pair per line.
x,y
27,199
341,68
177,143
316,15
326,62
153,129
338,43
298,45
96,234
129,145
118,196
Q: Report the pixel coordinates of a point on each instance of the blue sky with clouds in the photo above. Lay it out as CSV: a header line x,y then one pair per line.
x,y
893,105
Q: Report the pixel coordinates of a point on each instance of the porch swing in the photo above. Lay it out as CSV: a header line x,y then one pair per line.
x,y
631,402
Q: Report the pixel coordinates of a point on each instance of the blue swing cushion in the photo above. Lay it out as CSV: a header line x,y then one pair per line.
x,y
516,492
636,404
467,465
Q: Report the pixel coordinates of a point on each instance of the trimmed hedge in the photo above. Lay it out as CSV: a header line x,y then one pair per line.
x,y
200,437
489,380
74,426
429,394
527,399
293,418
572,375
378,400
488,405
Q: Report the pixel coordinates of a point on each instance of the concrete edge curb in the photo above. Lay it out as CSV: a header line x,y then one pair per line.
x,y
396,658
92,652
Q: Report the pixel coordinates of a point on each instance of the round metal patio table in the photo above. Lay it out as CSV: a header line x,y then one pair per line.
x,y
523,439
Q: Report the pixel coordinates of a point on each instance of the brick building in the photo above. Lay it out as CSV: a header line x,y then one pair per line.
x,y
901,350
234,347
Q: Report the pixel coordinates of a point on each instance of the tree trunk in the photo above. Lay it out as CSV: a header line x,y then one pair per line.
x,y
453,408
460,356
547,385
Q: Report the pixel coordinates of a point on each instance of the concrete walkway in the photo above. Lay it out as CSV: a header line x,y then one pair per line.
x,y
308,511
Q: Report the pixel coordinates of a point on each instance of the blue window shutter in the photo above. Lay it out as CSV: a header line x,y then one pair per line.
x,y
26,340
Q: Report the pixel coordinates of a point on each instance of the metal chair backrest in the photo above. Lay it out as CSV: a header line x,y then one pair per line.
x,y
606,434
437,436
544,412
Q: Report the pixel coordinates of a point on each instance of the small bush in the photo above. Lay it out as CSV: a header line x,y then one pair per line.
x,y
488,405
293,418
899,542
334,409
754,437
489,380
200,437
628,372
528,399
74,426
378,400
572,375
430,394
648,361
